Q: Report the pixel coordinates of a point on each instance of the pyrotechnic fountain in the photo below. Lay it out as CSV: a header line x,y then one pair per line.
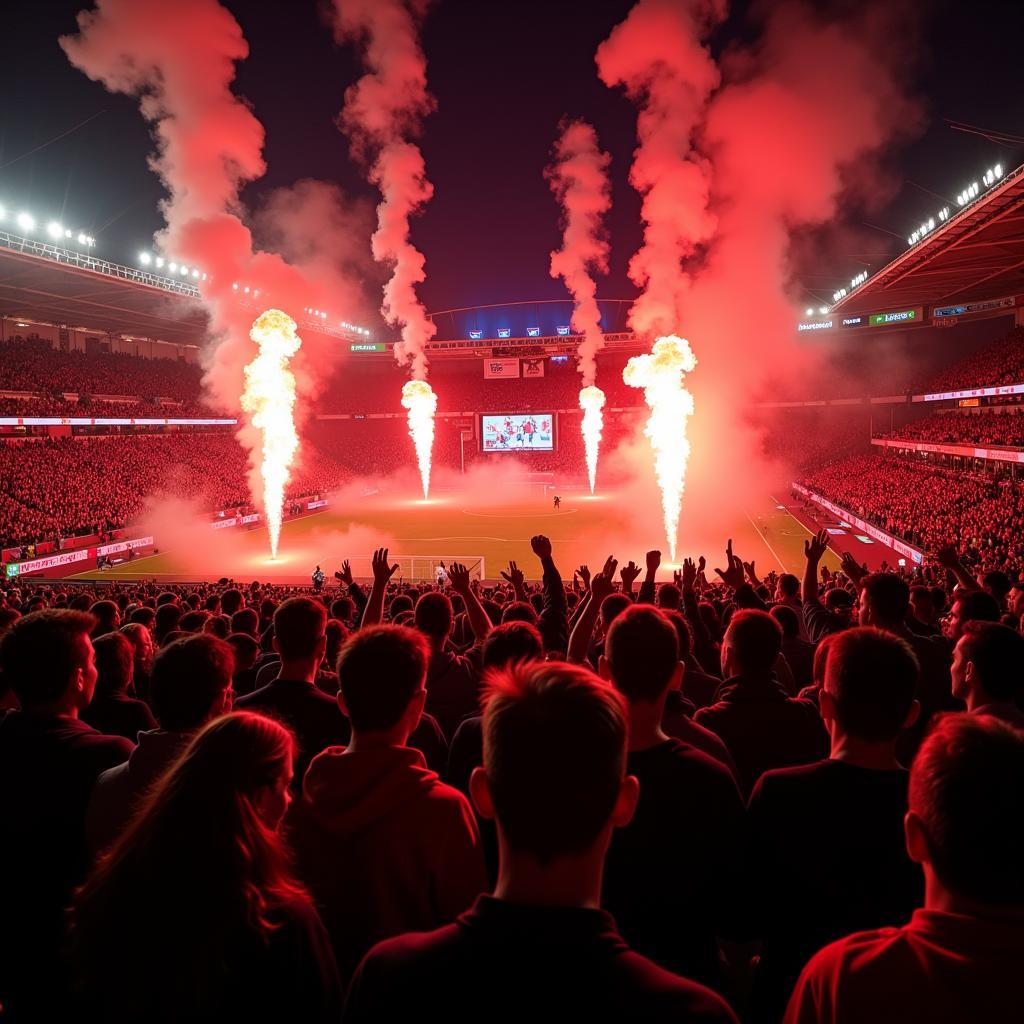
x,y
269,398
592,402
419,399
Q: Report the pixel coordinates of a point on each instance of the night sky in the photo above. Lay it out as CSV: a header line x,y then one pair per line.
x,y
503,75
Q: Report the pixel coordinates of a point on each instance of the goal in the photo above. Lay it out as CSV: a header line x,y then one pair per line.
x,y
418,568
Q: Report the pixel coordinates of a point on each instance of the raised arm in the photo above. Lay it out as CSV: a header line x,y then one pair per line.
x,y
356,592
479,620
554,617
600,587
628,574
373,613
948,558
653,560
516,577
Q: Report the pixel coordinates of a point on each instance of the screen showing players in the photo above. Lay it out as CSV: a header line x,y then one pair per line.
x,y
517,432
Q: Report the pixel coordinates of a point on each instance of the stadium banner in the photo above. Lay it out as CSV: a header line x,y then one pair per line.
x,y
917,557
964,450
252,517
942,396
321,503
125,545
517,432
968,308
498,368
533,367
220,524
38,564
82,421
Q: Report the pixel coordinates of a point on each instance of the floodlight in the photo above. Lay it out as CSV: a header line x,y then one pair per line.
x,y
54,230
145,259
26,221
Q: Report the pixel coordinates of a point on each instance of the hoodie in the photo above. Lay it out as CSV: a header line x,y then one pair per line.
x,y
384,846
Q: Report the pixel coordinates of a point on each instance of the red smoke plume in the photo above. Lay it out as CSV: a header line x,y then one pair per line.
x,y
382,110
657,53
579,178
179,59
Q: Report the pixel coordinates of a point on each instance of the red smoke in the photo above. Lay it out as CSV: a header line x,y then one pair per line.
x,y
179,59
579,178
657,53
382,109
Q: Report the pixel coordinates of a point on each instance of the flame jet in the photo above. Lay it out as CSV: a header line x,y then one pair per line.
x,y
661,373
269,399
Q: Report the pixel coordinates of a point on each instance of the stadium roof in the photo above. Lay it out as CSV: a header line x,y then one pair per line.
x,y
38,288
977,254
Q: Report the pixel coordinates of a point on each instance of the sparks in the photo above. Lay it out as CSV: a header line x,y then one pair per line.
x,y
269,398
660,373
419,398
592,402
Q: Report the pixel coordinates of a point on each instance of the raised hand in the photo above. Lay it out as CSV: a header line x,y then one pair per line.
x,y
381,572
458,576
514,575
610,564
584,571
345,573
852,569
541,546
816,546
733,575
603,583
748,568
629,573
653,561
701,564
689,573
947,557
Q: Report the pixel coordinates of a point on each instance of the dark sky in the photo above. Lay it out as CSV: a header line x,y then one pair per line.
x,y
503,74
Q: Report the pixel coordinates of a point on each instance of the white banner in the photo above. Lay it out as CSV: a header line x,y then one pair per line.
x,y
220,524
942,396
917,557
317,504
50,562
968,451
497,368
125,545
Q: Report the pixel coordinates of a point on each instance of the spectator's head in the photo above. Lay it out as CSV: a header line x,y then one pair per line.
x,y
218,625
49,662
246,620
300,631
641,655
337,634
966,804
611,608
434,618
788,619
399,604
142,643
167,618
988,665
115,665
1015,599
554,765
884,601
194,621
519,611
212,604
246,650
669,597
683,634
231,601
787,588
219,805
343,609
921,604
510,643
381,675
870,680
751,645
839,602
192,682
970,606
107,616
167,597
997,583
144,616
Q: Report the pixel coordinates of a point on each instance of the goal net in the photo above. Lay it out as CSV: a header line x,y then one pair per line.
x,y
418,568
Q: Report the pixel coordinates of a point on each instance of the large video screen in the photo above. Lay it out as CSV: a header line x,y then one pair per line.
x,y
517,432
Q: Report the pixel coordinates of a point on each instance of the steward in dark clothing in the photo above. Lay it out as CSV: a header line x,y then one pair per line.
x,y
763,728
509,962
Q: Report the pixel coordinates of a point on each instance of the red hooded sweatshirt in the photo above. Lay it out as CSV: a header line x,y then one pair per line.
x,y
384,846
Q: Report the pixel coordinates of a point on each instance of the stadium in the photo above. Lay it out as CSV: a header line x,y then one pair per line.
x,y
574,517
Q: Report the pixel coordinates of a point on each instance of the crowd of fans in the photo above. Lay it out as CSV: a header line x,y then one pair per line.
x,y
927,506
59,488
725,797
1002,362
987,429
95,408
34,365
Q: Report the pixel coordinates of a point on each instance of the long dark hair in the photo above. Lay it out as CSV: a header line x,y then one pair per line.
x,y
196,877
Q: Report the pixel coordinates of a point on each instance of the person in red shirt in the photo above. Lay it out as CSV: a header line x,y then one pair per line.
x,y
959,957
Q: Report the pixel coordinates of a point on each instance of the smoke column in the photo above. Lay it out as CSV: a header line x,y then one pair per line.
x,y
657,54
579,179
269,398
179,60
382,109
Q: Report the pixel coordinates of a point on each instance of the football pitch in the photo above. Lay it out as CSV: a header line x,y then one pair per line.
x,y
583,530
